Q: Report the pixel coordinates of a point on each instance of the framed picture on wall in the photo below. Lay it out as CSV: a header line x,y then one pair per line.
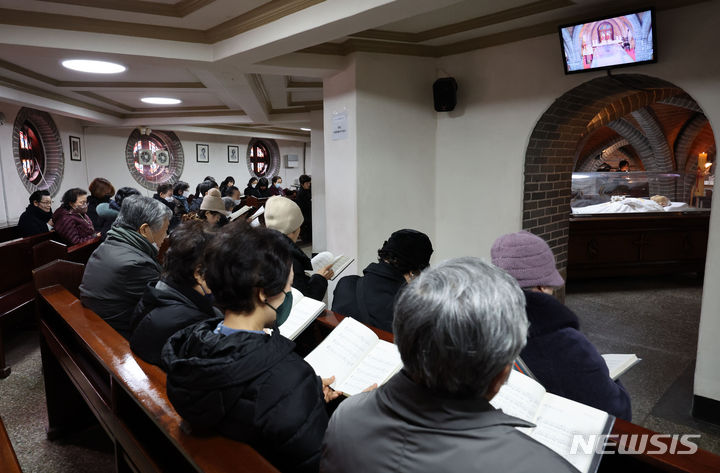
x,y
203,153
233,154
75,153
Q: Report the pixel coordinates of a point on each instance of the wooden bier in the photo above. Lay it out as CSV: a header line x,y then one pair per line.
x,y
701,461
8,459
90,371
632,244
16,288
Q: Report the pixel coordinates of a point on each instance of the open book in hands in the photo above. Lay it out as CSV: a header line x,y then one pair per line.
x,y
355,356
304,311
325,258
556,419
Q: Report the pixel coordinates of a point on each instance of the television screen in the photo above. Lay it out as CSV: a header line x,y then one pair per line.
x,y
606,43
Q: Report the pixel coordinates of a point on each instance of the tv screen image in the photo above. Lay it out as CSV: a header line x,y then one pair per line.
x,y
609,42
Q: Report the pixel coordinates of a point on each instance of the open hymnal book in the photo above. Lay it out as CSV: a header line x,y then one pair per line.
x,y
257,213
321,260
355,356
304,311
242,210
556,419
618,364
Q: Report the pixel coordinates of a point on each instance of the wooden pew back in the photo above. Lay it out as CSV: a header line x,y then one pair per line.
x,y
8,459
126,395
17,258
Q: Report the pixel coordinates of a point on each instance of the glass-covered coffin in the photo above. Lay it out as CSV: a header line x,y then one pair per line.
x,y
635,192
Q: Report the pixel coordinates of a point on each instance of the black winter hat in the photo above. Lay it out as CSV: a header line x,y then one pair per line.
x,y
409,246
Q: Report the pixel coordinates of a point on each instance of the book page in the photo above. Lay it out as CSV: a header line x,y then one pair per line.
x,y
304,311
342,350
239,212
619,363
257,213
560,419
519,397
321,260
378,366
340,264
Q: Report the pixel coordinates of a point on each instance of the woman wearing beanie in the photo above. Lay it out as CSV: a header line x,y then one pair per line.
x,y
370,298
213,210
562,359
284,215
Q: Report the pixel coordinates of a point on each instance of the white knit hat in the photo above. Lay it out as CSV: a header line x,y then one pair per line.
x,y
212,201
282,214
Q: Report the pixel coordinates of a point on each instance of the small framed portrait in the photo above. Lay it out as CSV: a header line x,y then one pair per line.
x,y
203,153
162,157
233,154
75,153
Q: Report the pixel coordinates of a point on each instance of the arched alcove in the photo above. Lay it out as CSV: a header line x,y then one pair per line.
x,y
552,150
49,169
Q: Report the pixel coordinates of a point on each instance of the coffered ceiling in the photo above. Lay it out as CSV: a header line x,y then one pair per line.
x,y
239,66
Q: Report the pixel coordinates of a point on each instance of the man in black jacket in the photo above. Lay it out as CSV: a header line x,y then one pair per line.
x,y
37,215
370,298
235,378
284,215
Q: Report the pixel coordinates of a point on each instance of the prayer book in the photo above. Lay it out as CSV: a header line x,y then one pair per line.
x,y
239,212
339,263
304,311
355,356
557,420
618,364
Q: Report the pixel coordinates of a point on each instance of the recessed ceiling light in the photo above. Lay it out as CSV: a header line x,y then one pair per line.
x,y
160,100
306,129
96,67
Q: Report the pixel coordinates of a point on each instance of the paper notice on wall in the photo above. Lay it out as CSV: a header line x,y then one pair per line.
x,y
339,126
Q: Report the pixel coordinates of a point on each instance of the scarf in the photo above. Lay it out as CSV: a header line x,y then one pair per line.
x,y
134,239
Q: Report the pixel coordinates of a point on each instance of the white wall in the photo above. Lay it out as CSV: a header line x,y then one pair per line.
x,y
103,155
317,172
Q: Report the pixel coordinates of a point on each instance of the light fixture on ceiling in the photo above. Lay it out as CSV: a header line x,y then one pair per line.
x,y
92,66
160,100
305,129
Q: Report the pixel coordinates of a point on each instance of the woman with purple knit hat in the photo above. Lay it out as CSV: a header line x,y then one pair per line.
x,y
561,358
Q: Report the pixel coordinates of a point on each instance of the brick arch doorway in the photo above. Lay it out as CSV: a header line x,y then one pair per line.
x,y
551,151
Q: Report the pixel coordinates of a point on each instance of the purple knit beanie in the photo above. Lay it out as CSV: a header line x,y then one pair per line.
x,y
527,258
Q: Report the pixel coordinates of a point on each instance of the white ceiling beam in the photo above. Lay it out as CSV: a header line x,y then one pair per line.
x,y
235,89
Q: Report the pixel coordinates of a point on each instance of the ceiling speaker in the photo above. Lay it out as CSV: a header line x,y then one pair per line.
x,y
445,94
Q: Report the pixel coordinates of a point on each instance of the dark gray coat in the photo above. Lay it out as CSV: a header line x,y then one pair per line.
x,y
402,427
114,281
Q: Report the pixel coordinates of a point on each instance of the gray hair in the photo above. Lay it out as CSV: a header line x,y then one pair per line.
x,y
138,209
457,326
229,203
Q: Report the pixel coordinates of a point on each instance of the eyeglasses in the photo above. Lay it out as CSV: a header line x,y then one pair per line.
x,y
46,202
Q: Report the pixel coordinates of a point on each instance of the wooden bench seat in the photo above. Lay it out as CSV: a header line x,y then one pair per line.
x,y
8,459
51,250
87,364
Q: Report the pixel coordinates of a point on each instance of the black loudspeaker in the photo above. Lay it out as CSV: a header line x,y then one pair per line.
x,y
445,94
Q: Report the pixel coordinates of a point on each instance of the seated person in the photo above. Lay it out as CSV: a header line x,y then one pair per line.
x,y
164,194
251,188
37,217
276,188
122,266
283,215
108,211
101,191
70,219
212,209
459,327
181,193
179,299
262,188
225,184
200,192
557,353
370,298
234,378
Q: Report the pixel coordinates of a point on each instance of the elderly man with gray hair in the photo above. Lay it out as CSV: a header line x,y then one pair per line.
x,y
458,328
118,271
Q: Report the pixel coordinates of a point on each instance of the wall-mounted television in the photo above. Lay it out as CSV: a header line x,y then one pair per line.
x,y
609,42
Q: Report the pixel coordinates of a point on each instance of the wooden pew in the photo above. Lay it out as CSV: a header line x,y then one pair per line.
x,y
701,461
88,366
9,232
51,250
8,459
16,288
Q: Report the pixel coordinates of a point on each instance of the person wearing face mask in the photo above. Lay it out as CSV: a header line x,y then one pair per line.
x,y
70,219
213,210
251,188
180,298
164,194
276,188
181,192
121,267
562,359
233,377
37,217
